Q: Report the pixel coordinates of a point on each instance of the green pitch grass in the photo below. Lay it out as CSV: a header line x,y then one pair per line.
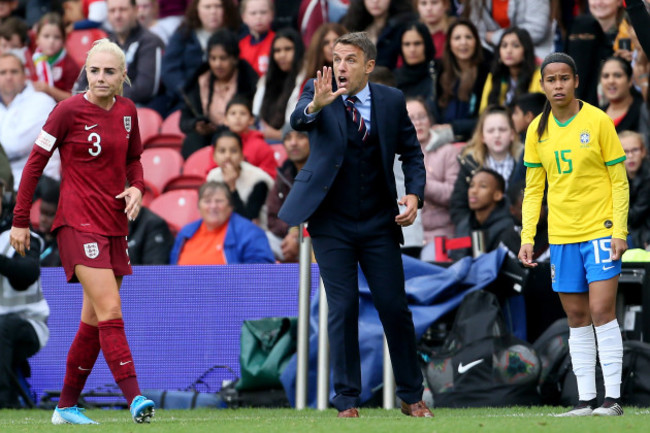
x,y
502,420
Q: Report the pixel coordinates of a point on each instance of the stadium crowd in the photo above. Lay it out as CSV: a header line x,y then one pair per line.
x,y
468,68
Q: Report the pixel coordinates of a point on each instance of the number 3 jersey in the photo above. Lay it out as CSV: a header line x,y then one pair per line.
x,y
587,184
99,150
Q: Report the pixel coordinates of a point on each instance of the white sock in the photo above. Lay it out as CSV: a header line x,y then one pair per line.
x,y
582,347
610,352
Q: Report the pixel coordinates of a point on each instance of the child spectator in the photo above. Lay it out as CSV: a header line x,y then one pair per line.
x,y
523,110
494,145
56,72
239,119
489,214
433,13
514,70
248,184
14,38
278,90
255,48
638,176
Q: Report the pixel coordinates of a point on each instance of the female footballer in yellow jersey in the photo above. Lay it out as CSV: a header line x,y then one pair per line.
x,y
574,147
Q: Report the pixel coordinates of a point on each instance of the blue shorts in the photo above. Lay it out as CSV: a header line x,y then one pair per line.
x,y
575,266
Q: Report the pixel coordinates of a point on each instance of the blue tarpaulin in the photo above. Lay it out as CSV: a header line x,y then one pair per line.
x,y
432,292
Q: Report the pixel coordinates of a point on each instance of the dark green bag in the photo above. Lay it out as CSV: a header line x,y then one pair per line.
x,y
267,345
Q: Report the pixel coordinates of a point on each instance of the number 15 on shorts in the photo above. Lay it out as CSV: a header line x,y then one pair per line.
x,y
602,250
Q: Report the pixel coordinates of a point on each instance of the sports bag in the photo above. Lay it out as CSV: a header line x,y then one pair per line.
x,y
480,362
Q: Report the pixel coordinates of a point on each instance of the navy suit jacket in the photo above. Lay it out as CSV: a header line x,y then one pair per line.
x,y
328,140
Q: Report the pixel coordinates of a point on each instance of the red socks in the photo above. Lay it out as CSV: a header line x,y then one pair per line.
x,y
110,337
81,359
118,357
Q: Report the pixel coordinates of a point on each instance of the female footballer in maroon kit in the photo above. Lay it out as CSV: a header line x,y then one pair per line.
x,y
98,139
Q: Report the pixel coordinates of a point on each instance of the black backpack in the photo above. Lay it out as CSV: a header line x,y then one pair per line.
x,y
480,362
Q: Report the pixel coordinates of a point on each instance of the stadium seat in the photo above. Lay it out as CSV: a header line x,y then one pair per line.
x,y
444,245
150,122
160,165
164,140
200,162
150,192
280,153
177,207
171,124
80,41
184,181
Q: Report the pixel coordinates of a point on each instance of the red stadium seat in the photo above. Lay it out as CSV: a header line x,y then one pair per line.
x,y
280,153
80,41
200,162
160,165
443,245
150,192
150,122
177,207
164,140
185,181
171,124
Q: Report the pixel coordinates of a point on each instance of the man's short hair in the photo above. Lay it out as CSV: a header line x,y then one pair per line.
x,y
361,41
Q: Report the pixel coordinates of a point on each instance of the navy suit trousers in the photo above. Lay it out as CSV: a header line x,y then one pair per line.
x,y
341,245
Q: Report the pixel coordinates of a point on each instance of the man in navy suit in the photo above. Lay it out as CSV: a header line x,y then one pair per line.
x,y
346,191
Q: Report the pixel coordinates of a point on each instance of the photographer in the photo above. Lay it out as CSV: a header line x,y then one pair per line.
x,y
23,310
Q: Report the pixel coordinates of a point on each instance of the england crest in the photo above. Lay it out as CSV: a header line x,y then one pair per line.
x,y
91,249
127,123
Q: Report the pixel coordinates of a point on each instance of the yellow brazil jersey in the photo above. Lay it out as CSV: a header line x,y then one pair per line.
x,y
575,157
535,86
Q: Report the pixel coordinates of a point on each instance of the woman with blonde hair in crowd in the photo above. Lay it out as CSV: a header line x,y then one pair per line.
x,y
495,144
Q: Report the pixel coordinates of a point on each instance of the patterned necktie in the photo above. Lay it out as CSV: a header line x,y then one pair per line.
x,y
357,118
